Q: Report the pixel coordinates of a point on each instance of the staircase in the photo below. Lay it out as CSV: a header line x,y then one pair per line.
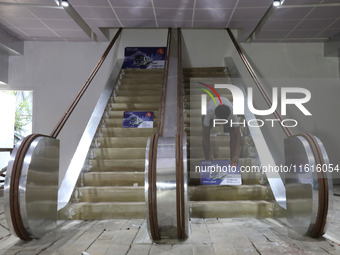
x,y
253,198
112,181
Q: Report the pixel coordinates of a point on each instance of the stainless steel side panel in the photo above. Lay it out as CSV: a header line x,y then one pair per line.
x,y
166,187
7,186
70,179
301,185
38,187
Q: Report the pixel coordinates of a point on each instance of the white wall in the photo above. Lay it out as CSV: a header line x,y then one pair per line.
x,y
204,47
56,71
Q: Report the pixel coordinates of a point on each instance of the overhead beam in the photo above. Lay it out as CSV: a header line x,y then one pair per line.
x,y
80,21
9,44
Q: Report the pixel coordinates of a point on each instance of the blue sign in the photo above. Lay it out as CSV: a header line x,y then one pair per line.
x,y
220,172
138,120
144,57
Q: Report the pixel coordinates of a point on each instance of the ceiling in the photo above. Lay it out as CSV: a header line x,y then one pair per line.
x,y
296,21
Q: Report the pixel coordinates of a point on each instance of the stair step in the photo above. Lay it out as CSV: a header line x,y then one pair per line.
x,y
139,99
117,153
196,141
217,131
197,97
108,210
135,93
143,71
144,80
113,178
114,165
227,193
122,142
196,193
129,132
204,209
135,106
192,89
119,122
231,209
111,194
199,74
143,75
222,152
204,69
140,86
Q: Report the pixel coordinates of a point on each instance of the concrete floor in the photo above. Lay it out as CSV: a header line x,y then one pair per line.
x,y
208,236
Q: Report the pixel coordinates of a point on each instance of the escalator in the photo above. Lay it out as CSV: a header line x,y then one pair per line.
x,y
112,182
151,172
251,199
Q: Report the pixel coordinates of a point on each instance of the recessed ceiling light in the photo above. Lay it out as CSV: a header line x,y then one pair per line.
x,y
64,3
277,3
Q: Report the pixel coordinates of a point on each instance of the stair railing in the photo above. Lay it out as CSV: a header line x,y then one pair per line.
x,y
31,184
306,217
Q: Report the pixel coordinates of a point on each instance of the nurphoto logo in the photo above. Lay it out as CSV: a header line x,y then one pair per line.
x,y
239,103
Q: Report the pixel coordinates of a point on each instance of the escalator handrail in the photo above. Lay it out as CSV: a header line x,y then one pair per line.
x,y
180,126
68,113
252,73
164,86
180,158
6,149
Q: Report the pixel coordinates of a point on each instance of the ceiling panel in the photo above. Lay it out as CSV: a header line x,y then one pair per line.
x,y
95,12
249,13
174,23
310,33
213,14
215,3
174,14
297,2
177,4
15,12
253,3
27,23
46,21
325,13
131,3
135,13
314,24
